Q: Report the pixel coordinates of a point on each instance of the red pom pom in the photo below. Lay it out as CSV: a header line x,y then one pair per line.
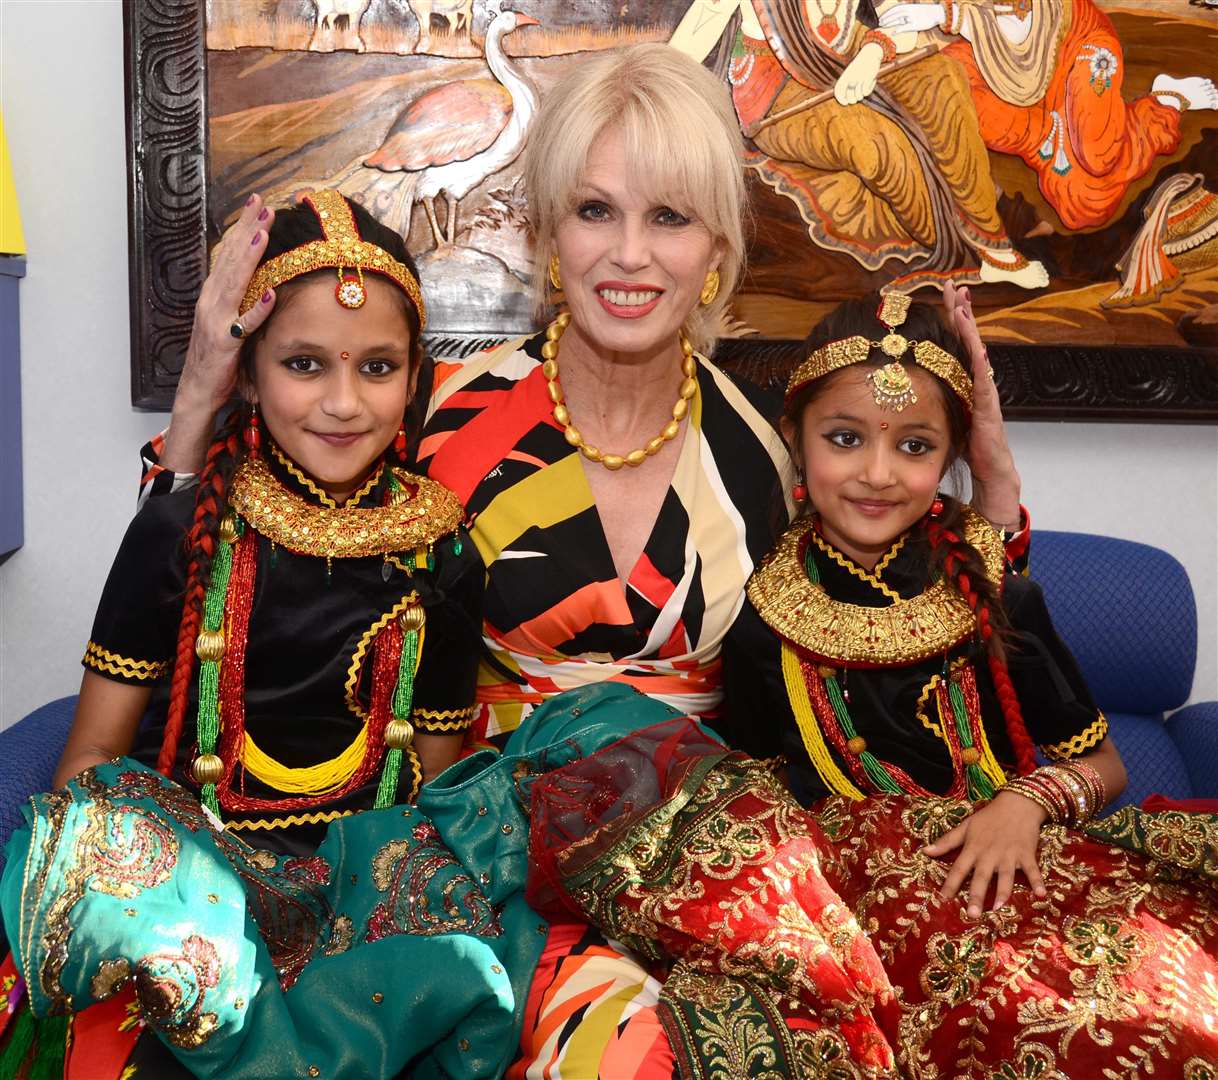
x,y
800,492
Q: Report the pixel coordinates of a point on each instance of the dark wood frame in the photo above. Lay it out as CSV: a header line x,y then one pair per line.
x,y
166,73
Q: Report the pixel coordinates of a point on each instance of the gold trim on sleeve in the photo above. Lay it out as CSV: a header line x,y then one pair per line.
x,y
344,532
104,660
439,721
357,657
1087,739
902,633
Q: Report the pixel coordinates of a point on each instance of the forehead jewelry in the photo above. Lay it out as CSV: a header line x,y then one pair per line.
x,y
891,385
344,356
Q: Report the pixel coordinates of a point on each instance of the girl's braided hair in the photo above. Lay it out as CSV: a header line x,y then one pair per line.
x,y
291,228
949,555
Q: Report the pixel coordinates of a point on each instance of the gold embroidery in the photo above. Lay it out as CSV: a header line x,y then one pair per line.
x,y
319,818
852,567
347,532
440,720
102,659
1087,739
298,475
357,657
903,633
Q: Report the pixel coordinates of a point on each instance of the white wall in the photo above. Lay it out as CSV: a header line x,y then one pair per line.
x,y
61,89
64,121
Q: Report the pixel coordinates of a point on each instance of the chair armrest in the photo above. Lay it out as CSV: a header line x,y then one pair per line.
x,y
29,751
1195,730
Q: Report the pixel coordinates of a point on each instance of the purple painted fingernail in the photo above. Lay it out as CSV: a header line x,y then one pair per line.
x,y
264,215
250,200
254,241
266,297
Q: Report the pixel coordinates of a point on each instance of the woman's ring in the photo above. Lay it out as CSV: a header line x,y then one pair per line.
x,y
237,329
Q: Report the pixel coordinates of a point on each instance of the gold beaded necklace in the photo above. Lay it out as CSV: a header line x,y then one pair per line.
x,y
689,387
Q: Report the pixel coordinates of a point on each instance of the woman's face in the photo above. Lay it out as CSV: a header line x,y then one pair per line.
x,y
632,268
332,383
871,473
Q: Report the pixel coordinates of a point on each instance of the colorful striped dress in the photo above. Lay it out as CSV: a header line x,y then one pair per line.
x,y
556,617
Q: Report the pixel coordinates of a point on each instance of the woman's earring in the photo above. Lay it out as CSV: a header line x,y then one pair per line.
x,y
799,490
253,435
710,288
936,508
399,444
555,280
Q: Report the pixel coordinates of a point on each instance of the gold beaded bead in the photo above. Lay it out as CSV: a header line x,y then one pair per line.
x,y
550,349
554,332
207,769
574,437
399,734
826,672
856,745
228,529
412,618
555,392
613,462
680,409
209,645
592,453
970,755
549,370
636,457
561,414
689,387
671,430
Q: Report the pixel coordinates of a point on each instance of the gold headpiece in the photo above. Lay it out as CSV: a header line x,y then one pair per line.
x,y
342,249
892,387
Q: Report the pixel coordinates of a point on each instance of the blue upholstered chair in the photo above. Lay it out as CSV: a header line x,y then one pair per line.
x,y
1128,614
1125,609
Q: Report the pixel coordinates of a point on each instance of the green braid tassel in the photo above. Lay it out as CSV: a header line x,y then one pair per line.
x,y
207,724
403,698
979,785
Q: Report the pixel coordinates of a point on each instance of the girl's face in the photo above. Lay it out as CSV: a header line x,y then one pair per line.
x,y
632,267
871,473
333,384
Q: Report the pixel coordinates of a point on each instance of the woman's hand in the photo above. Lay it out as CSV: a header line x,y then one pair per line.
x,y
859,78
995,481
994,841
209,374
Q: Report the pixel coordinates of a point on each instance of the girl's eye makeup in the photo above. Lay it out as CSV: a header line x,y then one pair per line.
x,y
304,365
378,367
916,446
844,438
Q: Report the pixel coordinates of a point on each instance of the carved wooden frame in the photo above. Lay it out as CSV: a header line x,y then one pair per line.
x,y
166,73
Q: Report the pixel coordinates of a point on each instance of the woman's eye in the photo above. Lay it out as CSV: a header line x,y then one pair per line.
x,y
916,447
302,364
666,215
593,211
846,439
379,367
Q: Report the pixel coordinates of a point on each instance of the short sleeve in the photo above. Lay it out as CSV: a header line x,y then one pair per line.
x,y
452,644
135,628
155,479
1057,705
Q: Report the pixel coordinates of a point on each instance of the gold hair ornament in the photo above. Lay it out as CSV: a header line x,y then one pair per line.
x,y
892,387
343,250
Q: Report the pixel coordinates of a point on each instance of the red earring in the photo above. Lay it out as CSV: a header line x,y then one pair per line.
x,y
799,492
936,508
253,436
399,444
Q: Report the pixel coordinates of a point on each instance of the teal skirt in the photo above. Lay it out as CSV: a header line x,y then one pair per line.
x,y
404,941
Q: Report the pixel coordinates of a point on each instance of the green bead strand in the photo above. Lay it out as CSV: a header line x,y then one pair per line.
x,y
400,706
207,723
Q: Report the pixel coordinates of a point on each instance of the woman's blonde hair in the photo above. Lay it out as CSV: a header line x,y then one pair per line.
x,y
681,135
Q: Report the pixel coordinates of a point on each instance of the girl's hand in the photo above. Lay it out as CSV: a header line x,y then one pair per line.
x,y
995,482
996,840
209,375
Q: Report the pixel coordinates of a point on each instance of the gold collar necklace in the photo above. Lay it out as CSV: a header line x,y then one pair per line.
x,y
689,387
904,632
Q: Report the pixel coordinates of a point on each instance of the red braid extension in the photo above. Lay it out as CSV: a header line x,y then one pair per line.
x,y
1012,714
201,543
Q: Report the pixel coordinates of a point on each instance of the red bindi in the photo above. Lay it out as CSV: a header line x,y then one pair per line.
x,y
344,356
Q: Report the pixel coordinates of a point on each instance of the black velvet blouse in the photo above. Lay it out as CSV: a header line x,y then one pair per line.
x,y
1057,707
308,659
